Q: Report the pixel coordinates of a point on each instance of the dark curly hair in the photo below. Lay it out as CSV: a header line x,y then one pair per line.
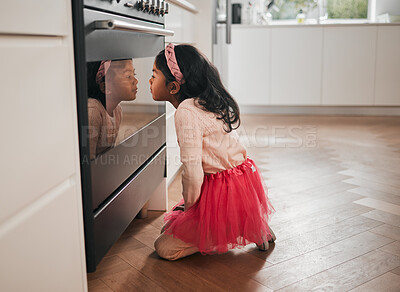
x,y
202,81
93,88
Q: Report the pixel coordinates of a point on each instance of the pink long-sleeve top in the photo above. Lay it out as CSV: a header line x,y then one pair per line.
x,y
205,147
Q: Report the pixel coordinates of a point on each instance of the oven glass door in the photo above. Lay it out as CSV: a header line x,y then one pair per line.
x,y
122,129
119,101
126,127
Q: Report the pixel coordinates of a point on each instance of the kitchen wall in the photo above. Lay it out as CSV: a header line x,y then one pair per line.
x,y
387,6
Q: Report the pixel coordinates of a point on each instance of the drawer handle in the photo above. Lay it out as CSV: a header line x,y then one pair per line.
x,y
125,26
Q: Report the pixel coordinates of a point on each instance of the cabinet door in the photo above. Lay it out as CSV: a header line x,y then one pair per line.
x,y
44,17
387,85
248,61
173,154
38,123
43,244
349,65
181,22
296,66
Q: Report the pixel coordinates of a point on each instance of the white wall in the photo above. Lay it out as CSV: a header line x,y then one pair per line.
x,y
388,6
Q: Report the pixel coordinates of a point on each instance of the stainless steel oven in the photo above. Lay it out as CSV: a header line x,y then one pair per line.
x,y
122,130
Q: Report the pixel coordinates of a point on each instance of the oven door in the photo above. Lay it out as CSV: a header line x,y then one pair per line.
x,y
123,139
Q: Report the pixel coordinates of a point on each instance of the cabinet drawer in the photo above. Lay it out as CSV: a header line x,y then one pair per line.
x,y
38,125
45,17
115,216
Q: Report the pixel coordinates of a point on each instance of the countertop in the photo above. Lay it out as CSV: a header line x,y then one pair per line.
x,y
312,23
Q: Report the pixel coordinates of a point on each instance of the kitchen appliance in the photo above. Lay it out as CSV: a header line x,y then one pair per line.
x,y
222,14
237,13
121,129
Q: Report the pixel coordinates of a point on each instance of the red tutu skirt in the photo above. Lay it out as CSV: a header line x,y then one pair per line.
x,y
232,211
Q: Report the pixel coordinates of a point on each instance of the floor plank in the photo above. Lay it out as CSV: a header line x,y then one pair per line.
x,y
388,198
319,260
309,241
393,248
383,217
379,205
131,280
98,286
294,228
373,185
388,231
350,274
388,282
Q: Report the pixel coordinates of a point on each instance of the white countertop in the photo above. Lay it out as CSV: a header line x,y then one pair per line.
x,y
313,23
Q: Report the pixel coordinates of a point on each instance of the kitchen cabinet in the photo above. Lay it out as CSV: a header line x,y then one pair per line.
x,y
245,67
45,17
349,65
387,85
311,65
41,224
42,116
182,22
38,247
296,59
173,153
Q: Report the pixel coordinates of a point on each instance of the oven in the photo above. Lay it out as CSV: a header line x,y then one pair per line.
x,y
122,133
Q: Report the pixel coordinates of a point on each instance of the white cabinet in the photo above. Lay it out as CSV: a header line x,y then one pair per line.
x,y
41,224
39,247
349,65
182,22
387,85
249,66
44,17
296,65
173,154
38,123
333,65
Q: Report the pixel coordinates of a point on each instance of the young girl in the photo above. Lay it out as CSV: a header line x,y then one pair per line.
x,y
109,83
225,200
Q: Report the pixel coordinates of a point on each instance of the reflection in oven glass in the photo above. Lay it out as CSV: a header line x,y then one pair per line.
x,y
113,116
113,82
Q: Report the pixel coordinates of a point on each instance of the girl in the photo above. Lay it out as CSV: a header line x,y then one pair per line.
x,y
109,83
225,201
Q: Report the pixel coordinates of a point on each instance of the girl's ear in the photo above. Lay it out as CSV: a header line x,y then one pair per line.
x,y
102,87
174,87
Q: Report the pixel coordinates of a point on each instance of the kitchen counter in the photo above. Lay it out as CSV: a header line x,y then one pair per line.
x,y
312,23
341,64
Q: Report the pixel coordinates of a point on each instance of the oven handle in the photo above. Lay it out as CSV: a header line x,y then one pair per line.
x,y
125,26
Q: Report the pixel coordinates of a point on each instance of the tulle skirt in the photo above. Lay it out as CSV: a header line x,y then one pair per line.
x,y
232,211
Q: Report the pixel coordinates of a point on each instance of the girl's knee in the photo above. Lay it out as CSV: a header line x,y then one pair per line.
x,y
170,248
164,249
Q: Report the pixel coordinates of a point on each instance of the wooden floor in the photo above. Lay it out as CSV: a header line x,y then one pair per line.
x,y
335,184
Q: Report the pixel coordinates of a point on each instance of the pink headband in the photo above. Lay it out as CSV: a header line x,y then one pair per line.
x,y
173,64
104,66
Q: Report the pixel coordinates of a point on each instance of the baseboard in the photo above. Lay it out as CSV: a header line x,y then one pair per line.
x,y
322,110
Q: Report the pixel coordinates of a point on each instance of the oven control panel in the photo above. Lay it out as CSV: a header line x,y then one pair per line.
x,y
148,10
157,7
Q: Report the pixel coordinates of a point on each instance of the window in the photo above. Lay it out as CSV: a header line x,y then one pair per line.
x,y
347,8
288,9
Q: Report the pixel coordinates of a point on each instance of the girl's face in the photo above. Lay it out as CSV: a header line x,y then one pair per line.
x,y
158,86
122,82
